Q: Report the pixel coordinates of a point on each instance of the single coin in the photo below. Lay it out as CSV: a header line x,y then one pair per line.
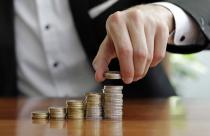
x,y
56,109
112,75
74,102
117,87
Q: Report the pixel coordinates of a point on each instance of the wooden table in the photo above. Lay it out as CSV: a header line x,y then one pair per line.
x,y
153,117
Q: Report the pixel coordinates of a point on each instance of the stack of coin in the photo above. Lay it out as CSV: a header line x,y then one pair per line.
x,y
113,102
75,109
93,106
57,113
40,115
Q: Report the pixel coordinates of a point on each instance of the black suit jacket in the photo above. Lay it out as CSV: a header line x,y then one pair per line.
x,y
92,32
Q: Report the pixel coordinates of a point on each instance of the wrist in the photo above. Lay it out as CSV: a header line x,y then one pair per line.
x,y
167,14
160,11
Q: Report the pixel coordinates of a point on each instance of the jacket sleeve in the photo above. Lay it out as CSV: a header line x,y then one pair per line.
x,y
199,11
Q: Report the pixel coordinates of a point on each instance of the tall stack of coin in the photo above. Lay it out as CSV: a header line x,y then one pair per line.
x,y
93,106
113,102
40,115
57,113
75,109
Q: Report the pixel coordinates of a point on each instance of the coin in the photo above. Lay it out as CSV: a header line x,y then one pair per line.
x,y
112,75
113,87
53,109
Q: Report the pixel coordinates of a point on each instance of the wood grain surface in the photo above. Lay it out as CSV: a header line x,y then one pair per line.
x,y
142,117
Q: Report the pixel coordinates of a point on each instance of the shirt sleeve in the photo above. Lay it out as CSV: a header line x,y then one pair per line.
x,y
186,30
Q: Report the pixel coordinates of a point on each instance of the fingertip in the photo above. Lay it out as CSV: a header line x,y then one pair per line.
x,y
127,74
127,80
99,76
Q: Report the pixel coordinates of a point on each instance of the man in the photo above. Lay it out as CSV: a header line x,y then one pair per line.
x,y
51,62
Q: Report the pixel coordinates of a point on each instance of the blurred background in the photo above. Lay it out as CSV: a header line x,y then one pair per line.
x,y
189,74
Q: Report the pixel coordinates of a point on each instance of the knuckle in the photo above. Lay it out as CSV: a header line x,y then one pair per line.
x,y
162,26
159,56
150,20
140,54
114,18
136,15
165,29
159,24
125,51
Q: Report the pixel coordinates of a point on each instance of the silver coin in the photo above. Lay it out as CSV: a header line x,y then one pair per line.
x,y
112,75
110,87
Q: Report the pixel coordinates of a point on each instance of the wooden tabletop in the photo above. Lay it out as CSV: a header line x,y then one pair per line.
x,y
143,117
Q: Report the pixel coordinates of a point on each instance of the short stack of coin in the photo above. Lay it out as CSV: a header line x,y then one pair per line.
x,y
75,109
113,102
93,106
40,115
58,113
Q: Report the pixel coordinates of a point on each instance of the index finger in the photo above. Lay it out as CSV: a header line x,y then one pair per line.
x,y
118,32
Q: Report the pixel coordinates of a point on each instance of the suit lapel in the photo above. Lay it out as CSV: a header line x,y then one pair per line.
x,y
84,26
7,50
94,3
100,8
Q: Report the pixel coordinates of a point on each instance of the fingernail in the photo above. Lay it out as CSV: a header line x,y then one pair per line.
x,y
136,79
128,80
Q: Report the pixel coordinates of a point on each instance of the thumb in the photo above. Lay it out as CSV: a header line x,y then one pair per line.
x,y
104,56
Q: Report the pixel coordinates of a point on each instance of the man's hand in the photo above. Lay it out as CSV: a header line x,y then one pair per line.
x,y
138,37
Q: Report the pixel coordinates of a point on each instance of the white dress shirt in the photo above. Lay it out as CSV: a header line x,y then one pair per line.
x,y
50,58
186,30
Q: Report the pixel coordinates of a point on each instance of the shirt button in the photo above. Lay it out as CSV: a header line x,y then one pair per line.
x,y
55,64
47,27
182,38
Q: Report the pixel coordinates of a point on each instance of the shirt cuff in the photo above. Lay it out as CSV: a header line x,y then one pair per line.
x,y
186,30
